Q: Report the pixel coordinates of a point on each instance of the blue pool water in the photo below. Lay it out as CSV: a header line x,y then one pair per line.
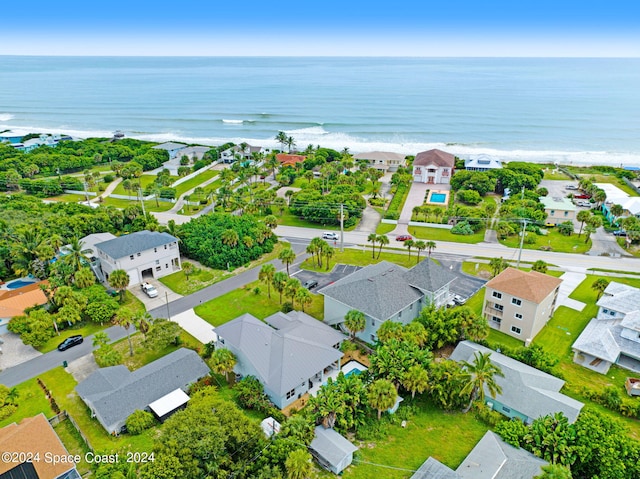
x,y
353,371
19,283
437,198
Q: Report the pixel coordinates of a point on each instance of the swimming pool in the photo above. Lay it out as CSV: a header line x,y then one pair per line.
x,y
19,283
352,367
438,198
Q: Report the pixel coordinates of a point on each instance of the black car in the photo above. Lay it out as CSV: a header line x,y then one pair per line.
x,y
620,233
70,342
312,283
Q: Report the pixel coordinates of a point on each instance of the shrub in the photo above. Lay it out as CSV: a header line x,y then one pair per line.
x,y
139,422
487,415
7,410
108,178
462,228
469,197
287,307
530,238
377,201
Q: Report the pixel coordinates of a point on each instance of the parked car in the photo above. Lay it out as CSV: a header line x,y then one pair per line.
x,y
582,196
403,237
70,342
312,283
459,300
330,235
583,203
620,233
549,225
149,289
571,187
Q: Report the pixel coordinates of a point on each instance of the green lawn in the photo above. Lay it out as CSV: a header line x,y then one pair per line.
x,y
73,443
231,305
70,198
384,228
195,181
86,328
447,437
31,401
550,174
150,206
202,278
145,180
557,242
363,257
440,234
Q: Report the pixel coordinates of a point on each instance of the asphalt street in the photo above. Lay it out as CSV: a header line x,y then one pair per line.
x,y
30,369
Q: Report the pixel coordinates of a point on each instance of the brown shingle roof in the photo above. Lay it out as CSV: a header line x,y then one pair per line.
x,y
34,435
14,302
435,157
532,286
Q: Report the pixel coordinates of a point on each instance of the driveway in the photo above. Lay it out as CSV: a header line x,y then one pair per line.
x,y
464,285
556,188
339,271
164,295
570,281
14,351
605,244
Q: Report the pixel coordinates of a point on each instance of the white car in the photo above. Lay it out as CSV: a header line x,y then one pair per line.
x,y
330,236
149,289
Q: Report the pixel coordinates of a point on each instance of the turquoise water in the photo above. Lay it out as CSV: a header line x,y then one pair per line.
x,y
352,372
437,198
18,283
566,110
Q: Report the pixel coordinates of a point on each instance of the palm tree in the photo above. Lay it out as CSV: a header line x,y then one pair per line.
x,y
354,321
304,297
616,210
142,321
600,196
583,216
555,471
291,288
478,375
382,395
287,256
271,221
409,244
416,379
188,269
124,318
84,278
267,272
540,266
599,285
327,404
373,239
420,246
279,282
383,240
431,245
328,253
497,265
281,138
222,362
272,163
298,464
230,237
76,256
291,143
119,280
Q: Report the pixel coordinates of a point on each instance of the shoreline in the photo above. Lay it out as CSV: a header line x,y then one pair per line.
x,y
338,141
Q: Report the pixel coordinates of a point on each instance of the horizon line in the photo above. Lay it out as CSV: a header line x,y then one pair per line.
x,y
320,56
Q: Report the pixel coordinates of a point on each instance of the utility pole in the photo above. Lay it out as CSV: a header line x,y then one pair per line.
x,y
524,228
166,297
341,227
86,192
142,202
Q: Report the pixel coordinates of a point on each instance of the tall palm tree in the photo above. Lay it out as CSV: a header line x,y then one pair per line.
x,y
478,375
124,318
304,297
267,272
291,288
431,245
420,246
416,379
382,395
599,285
409,244
373,239
287,256
143,322
282,138
497,265
222,362
291,143
582,217
279,282
354,321
328,253
76,255
119,280
383,240
298,464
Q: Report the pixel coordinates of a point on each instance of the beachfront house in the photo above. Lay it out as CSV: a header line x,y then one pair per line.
x,y
145,254
288,353
558,210
14,302
613,336
382,160
527,393
114,393
482,163
243,152
170,147
433,167
194,153
491,458
520,303
387,292
289,159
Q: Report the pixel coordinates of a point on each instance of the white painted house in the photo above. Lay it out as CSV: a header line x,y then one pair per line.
x,y
145,254
433,167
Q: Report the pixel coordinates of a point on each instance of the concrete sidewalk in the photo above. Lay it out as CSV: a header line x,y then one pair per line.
x,y
195,326
570,281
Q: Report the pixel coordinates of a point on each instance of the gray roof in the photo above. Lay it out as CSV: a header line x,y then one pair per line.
x,y
114,393
620,297
434,469
285,350
133,243
381,290
90,241
492,458
331,446
170,146
602,338
525,389
380,155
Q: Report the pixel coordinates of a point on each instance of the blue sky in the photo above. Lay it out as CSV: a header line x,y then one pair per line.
x,y
328,27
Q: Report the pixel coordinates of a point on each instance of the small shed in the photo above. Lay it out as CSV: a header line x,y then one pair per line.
x,y
168,404
331,450
270,426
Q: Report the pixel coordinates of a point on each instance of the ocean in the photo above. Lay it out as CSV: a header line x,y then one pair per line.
x,y
569,111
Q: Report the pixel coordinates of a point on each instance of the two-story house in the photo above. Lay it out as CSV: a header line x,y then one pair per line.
x,y
243,153
613,336
482,163
145,254
387,292
172,148
433,167
382,160
558,210
288,353
520,303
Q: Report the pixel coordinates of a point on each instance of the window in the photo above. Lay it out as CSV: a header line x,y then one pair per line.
x,y
158,268
566,213
138,254
373,322
165,246
291,393
553,212
373,338
221,340
496,319
497,295
131,257
166,266
605,311
612,313
155,250
516,330
157,261
518,316
411,306
497,306
400,314
516,301
506,409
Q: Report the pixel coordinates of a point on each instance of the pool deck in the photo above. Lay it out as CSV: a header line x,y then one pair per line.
x,y
27,281
444,203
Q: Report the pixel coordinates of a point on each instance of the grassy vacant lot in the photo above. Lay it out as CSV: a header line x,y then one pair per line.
x,y
150,205
448,437
195,181
69,198
73,444
557,242
231,305
440,234
202,278
31,401
145,180
384,228
363,257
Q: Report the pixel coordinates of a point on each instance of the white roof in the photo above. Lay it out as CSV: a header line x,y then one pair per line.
x,y
482,161
169,402
270,426
614,194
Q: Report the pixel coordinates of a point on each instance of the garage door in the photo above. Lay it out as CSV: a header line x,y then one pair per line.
x,y
133,277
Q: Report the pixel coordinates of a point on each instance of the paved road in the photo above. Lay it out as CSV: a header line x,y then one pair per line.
x,y
13,376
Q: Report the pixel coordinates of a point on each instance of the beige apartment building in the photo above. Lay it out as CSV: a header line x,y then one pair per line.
x,y
520,303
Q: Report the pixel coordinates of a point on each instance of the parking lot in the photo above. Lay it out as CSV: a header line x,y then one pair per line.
x,y
464,285
339,271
